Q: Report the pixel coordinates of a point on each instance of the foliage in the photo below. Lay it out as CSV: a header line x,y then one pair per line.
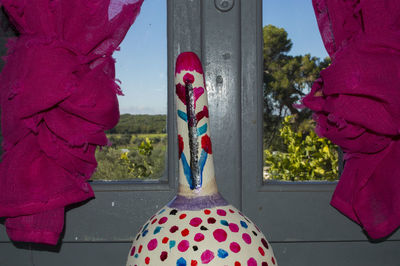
x,y
287,79
145,160
139,124
307,157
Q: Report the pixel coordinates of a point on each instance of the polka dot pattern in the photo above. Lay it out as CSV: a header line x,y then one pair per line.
x,y
213,236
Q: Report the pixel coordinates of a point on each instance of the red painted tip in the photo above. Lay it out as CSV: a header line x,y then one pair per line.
x,y
188,61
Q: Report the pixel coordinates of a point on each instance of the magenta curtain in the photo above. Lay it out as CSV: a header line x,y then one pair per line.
x,y
357,105
58,96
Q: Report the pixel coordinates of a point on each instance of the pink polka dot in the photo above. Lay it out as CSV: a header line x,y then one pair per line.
x,y
235,247
163,220
207,256
183,245
246,238
251,262
234,227
196,221
199,237
220,235
152,244
221,212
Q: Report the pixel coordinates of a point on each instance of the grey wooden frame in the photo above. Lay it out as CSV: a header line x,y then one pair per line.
x,y
296,217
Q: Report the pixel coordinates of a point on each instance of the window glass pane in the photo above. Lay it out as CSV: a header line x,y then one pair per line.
x,y
293,57
139,140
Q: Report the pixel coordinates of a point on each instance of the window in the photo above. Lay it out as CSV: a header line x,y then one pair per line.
x,y
293,55
139,141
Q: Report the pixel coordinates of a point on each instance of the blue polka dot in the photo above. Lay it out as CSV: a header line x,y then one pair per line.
x,y
243,224
163,210
157,230
145,232
136,255
222,253
172,243
224,222
145,227
181,262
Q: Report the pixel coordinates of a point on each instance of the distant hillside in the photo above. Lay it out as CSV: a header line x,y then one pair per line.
x,y
139,124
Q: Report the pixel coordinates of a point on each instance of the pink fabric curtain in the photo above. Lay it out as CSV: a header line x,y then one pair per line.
x,y
357,106
58,96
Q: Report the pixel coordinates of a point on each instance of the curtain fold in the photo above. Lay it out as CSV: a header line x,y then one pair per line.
x,y
57,96
356,104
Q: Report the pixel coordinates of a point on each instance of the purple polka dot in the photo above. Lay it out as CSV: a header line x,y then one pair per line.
x,y
152,244
183,245
173,229
196,221
246,238
265,243
251,262
221,212
211,220
234,227
164,255
133,251
207,256
199,237
220,235
163,220
235,247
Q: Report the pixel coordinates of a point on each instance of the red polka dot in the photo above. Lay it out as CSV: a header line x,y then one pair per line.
x,y
207,211
165,240
211,220
261,250
237,263
234,227
163,220
193,263
273,260
140,248
155,220
246,238
251,262
221,212
185,232
264,264
164,255
183,245
220,235
199,237
133,251
152,244
182,216
235,247
173,229
231,211
147,260
265,243
196,221
207,256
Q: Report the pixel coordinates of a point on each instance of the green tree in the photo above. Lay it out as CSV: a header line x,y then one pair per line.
x,y
287,79
307,157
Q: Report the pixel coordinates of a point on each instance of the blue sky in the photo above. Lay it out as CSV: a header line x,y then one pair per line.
x,y
142,61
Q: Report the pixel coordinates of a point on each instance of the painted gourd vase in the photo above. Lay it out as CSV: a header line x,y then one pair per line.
x,y
198,227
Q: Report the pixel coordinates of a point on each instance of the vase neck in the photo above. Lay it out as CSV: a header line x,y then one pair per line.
x,y
196,166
